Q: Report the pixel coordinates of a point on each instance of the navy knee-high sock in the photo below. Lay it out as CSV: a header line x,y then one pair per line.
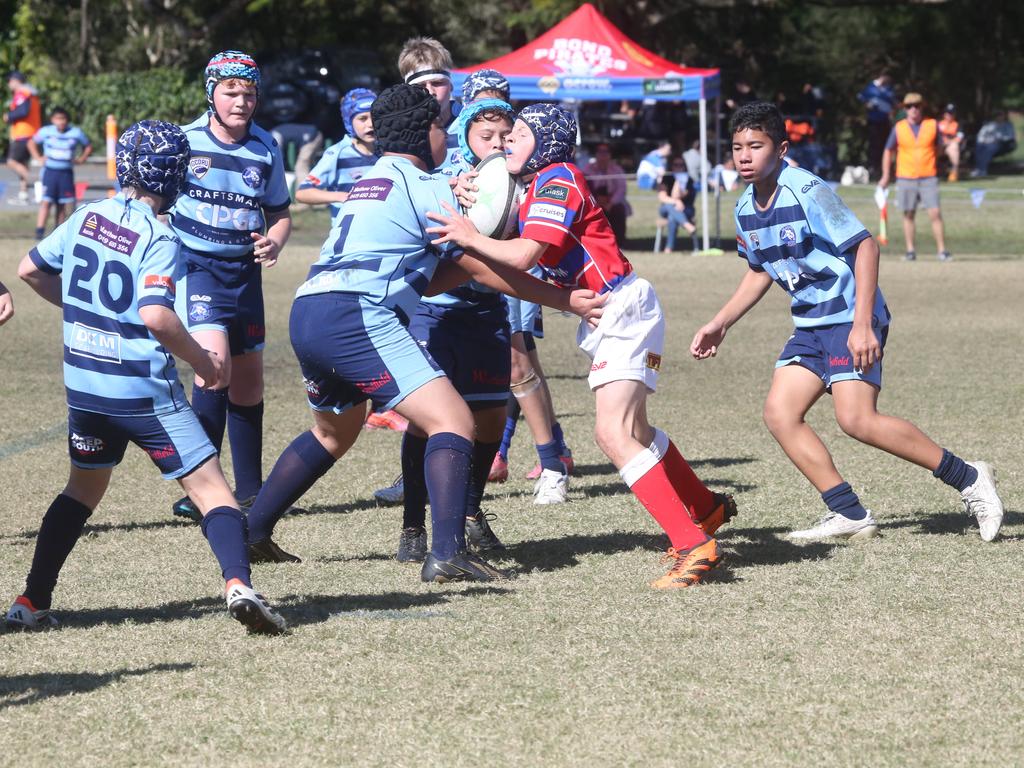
x,y
447,466
511,421
843,501
224,529
414,500
954,471
245,433
483,455
300,465
211,406
61,527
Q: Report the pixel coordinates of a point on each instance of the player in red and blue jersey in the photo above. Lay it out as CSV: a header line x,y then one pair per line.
x,y
110,267
564,231
233,220
793,230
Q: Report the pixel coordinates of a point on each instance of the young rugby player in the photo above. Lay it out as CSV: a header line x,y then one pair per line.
x,y
348,329
61,142
110,267
236,188
344,163
564,231
792,229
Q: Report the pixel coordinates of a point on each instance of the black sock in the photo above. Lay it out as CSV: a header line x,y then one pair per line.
x,y
414,509
211,406
843,501
446,466
245,433
483,455
61,527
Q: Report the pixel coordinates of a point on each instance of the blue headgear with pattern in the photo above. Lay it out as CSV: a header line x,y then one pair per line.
x,y
484,80
153,155
353,103
554,134
227,65
466,117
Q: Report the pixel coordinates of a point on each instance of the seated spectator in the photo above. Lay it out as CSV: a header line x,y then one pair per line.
x,y
952,140
676,196
996,137
607,182
804,151
652,166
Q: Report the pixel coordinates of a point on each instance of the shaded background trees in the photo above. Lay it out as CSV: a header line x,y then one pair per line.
x,y
968,52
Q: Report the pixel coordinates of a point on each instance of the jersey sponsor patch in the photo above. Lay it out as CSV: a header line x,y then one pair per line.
x,y
108,234
553,192
545,211
86,444
160,281
199,165
90,342
314,180
252,176
787,235
371,189
654,361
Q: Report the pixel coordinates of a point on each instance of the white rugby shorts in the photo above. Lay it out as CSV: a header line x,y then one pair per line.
x,y
627,343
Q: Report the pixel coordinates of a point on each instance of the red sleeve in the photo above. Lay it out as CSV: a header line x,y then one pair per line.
x,y
549,211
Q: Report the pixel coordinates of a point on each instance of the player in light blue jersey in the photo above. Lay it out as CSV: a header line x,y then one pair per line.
x,y
344,163
235,190
60,142
792,229
110,268
348,329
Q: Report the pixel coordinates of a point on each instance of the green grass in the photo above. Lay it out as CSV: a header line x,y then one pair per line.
x,y
903,651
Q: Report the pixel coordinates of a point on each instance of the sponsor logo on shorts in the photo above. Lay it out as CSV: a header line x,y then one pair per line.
x,y
161,453
486,377
252,176
199,311
598,366
160,281
371,189
199,297
835,360
653,361
554,192
86,444
199,165
312,388
546,211
371,386
787,235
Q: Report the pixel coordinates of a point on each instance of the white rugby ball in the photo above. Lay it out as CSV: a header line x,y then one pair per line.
x,y
496,210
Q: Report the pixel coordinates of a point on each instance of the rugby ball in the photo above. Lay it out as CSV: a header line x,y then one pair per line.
x,y
496,210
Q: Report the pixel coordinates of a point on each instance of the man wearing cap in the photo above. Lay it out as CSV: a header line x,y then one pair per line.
x,y
24,118
916,141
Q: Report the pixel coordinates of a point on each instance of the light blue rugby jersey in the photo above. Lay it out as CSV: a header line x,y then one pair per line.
x,y
340,167
228,188
59,148
806,241
114,257
378,247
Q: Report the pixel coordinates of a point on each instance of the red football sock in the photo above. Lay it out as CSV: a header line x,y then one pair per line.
x,y
695,495
649,481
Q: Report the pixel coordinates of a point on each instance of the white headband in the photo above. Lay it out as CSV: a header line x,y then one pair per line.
x,y
426,75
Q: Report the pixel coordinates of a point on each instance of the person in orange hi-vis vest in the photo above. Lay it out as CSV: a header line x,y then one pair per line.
x,y
952,139
916,141
24,118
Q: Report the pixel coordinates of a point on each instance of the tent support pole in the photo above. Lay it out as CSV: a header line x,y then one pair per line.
x,y
704,173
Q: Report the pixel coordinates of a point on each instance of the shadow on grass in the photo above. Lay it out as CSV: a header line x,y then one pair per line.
x,y
768,546
21,690
564,552
947,523
301,610
98,528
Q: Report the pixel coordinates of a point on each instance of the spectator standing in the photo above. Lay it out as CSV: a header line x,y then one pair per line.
x,y
996,137
879,99
915,140
952,140
607,181
60,142
24,118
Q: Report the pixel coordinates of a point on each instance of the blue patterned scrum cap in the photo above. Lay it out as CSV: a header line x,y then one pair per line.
x,y
484,80
466,118
554,131
153,155
353,103
230,64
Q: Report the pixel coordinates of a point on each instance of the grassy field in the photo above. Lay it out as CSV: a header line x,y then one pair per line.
x,y
904,651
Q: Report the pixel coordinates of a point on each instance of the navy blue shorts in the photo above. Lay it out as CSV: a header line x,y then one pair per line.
x,y
472,346
823,351
58,185
225,297
174,441
351,352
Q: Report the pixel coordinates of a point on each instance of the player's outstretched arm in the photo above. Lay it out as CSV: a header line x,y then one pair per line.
x,y
453,227
166,328
709,338
45,284
6,304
